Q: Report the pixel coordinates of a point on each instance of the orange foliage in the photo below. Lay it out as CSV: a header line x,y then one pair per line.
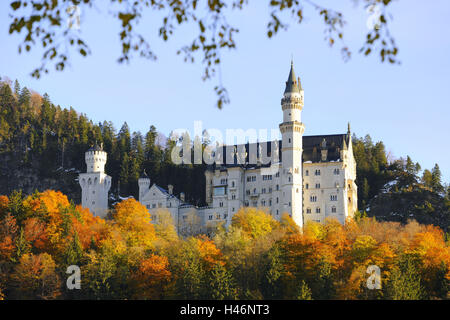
x,y
35,233
152,277
210,254
4,201
8,232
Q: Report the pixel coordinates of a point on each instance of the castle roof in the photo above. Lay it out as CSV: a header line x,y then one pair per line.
x,y
291,83
312,146
143,175
96,147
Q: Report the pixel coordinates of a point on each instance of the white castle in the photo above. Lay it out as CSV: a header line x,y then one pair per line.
x,y
307,177
95,184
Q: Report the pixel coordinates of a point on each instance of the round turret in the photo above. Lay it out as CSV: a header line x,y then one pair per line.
x,y
144,184
95,159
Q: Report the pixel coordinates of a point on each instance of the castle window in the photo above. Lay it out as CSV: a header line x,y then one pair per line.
x,y
307,173
277,187
246,203
254,178
270,190
210,217
313,198
289,203
333,197
333,209
317,172
317,210
263,203
218,216
277,212
148,206
277,174
247,192
221,204
289,140
308,210
317,185
277,199
270,202
233,197
263,190
254,191
249,179
154,205
336,171
232,184
307,186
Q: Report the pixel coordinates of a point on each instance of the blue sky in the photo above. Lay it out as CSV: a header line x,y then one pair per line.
x,y
405,106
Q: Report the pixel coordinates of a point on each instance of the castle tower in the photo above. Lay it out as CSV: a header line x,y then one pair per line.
x,y
144,185
292,147
95,184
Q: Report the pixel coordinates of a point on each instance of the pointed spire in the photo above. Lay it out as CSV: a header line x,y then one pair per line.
x,y
348,128
291,83
344,143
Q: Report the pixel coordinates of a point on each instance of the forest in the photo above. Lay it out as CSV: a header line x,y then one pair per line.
x,y
42,147
257,257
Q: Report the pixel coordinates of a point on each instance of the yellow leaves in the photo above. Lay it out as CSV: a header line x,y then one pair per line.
x,y
134,221
314,230
255,223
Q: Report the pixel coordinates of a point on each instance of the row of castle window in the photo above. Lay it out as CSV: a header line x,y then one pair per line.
x,y
210,217
317,172
333,209
263,190
336,185
333,197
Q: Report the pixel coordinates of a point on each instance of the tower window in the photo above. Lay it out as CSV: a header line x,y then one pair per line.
x,y
317,172
317,210
307,186
333,197
333,209
308,210
307,173
317,185
313,198
289,140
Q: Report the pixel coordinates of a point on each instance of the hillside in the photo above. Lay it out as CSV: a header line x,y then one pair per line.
x,y
42,147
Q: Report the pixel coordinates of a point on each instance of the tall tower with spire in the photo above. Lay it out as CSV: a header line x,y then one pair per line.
x,y
292,130
95,183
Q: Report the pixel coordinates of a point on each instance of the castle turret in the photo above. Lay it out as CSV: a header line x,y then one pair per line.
x,y
144,185
95,184
292,147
